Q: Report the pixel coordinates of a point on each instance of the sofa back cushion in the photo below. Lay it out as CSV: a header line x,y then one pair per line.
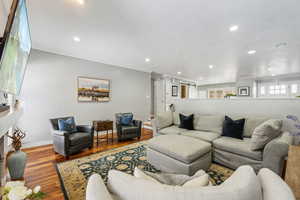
x,y
176,118
164,119
212,123
251,122
243,183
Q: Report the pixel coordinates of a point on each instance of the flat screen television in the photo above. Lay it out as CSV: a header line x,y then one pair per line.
x,y
15,49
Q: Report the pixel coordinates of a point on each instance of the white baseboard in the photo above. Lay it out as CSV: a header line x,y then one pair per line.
x,y
36,144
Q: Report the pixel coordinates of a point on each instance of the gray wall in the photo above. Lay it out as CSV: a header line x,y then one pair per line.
x,y
49,90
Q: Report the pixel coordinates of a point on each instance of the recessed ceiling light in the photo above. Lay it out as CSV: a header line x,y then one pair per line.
x,y
147,59
273,74
234,28
178,73
76,39
81,2
211,66
269,69
251,52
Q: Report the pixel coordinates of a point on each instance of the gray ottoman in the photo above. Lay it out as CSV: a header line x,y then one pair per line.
x,y
179,154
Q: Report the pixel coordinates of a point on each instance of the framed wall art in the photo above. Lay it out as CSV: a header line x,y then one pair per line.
x,y
174,91
93,90
244,91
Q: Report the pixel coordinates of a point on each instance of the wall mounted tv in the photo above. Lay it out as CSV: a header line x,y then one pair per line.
x,y
14,49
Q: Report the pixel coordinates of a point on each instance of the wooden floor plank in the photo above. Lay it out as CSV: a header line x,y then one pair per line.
x,y
41,162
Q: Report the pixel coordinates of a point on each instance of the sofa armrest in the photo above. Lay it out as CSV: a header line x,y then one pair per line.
x,y
273,187
275,152
96,189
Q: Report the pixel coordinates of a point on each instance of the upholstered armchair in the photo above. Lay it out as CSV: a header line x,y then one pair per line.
x,y
66,143
128,131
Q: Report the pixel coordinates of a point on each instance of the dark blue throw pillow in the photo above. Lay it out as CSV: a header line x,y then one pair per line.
x,y
233,128
186,122
67,125
126,119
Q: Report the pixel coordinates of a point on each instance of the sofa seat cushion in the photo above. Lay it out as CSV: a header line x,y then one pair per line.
x,y
202,135
129,129
172,130
182,148
79,138
237,146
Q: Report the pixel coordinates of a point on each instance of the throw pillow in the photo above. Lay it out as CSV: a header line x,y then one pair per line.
x,y
198,182
233,128
200,179
126,119
140,174
264,133
67,125
186,122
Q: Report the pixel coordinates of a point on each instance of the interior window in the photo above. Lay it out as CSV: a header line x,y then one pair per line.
x,y
262,90
277,89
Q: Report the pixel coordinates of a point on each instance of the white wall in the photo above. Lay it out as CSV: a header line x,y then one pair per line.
x,y
2,17
50,90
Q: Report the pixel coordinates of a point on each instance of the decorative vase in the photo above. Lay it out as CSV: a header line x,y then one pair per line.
x,y
16,162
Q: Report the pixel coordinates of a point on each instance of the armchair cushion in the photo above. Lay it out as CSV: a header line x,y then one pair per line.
x,y
79,138
85,128
129,128
126,119
67,125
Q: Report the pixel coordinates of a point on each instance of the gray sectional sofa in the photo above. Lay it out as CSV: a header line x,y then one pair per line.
x,y
228,151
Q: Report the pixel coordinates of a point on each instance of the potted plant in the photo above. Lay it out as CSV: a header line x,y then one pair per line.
x,y
230,95
16,190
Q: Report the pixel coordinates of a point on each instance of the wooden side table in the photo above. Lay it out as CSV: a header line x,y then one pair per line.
x,y
292,176
104,126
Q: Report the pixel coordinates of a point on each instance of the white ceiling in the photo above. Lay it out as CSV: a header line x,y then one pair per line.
x,y
176,35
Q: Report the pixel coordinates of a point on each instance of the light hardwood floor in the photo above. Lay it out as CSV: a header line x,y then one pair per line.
x,y
40,169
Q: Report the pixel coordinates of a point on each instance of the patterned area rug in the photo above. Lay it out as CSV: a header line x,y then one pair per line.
x,y
75,173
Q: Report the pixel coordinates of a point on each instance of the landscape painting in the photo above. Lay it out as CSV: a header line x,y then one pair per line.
x,y
93,90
